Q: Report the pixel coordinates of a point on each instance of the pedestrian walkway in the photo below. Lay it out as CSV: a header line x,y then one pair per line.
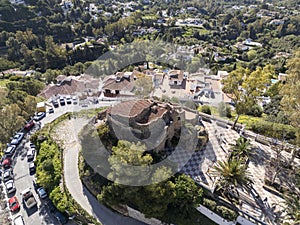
x,y
198,166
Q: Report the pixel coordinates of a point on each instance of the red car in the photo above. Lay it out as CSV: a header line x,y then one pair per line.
x,y
13,204
29,125
6,163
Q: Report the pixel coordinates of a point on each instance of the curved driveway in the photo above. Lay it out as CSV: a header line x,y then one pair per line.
x,y
69,136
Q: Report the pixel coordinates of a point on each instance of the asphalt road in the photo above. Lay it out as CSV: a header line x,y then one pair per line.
x,y
23,179
71,173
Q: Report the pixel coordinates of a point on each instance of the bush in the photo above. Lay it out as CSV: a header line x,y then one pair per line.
x,y
210,204
15,78
255,110
276,130
226,213
206,109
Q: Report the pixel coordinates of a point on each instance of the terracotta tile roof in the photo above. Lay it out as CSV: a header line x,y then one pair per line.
x,y
130,108
64,89
68,85
123,85
133,108
160,111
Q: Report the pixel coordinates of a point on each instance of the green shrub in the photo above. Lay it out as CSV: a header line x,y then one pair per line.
x,y
59,199
255,110
210,204
15,78
206,109
226,213
276,130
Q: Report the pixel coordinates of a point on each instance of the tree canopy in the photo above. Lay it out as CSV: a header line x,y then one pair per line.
x,y
244,87
177,194
291,91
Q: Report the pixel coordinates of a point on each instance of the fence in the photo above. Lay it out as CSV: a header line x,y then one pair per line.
x,y
219,220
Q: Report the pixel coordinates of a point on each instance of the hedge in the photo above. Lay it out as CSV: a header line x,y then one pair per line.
x,y
226,213
222,211
205,109
210,204
280,131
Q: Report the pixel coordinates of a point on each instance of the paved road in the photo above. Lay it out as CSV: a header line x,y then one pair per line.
x,y
73,182
23,180
71,173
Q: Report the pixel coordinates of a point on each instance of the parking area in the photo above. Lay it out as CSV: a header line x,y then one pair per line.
x,y
19,158
17,174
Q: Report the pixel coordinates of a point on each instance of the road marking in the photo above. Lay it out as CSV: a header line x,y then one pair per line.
x,y
20,177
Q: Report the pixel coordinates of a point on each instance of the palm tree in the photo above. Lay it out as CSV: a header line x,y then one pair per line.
x,y
231,173
241,148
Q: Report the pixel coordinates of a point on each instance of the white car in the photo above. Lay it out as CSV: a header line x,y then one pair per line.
x,y
31,145
68,99
10,186
30,154
17,138
74,100
19,220
10,150
31,167
8,175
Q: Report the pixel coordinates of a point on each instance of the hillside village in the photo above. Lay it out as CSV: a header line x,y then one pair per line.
x,y
149,112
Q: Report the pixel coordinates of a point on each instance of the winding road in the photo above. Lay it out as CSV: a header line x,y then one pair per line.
x,y
69,136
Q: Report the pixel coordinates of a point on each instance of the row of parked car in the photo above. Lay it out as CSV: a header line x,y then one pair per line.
x,y
7,175
64,100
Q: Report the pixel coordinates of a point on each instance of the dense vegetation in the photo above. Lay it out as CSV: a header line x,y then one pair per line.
x,y
61,27
49,170
17,104
54,38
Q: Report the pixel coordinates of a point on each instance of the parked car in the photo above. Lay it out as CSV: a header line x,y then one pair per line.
x,y
31,145
4,157
10,150
31,167
34,183
62,219
10,186
19,220
42,193
62,101
6,163
38,116
30,154
29,125
85,104
8,175
68,99
55,103
51,110
95,101
74,98
14,204
17,138
28,198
